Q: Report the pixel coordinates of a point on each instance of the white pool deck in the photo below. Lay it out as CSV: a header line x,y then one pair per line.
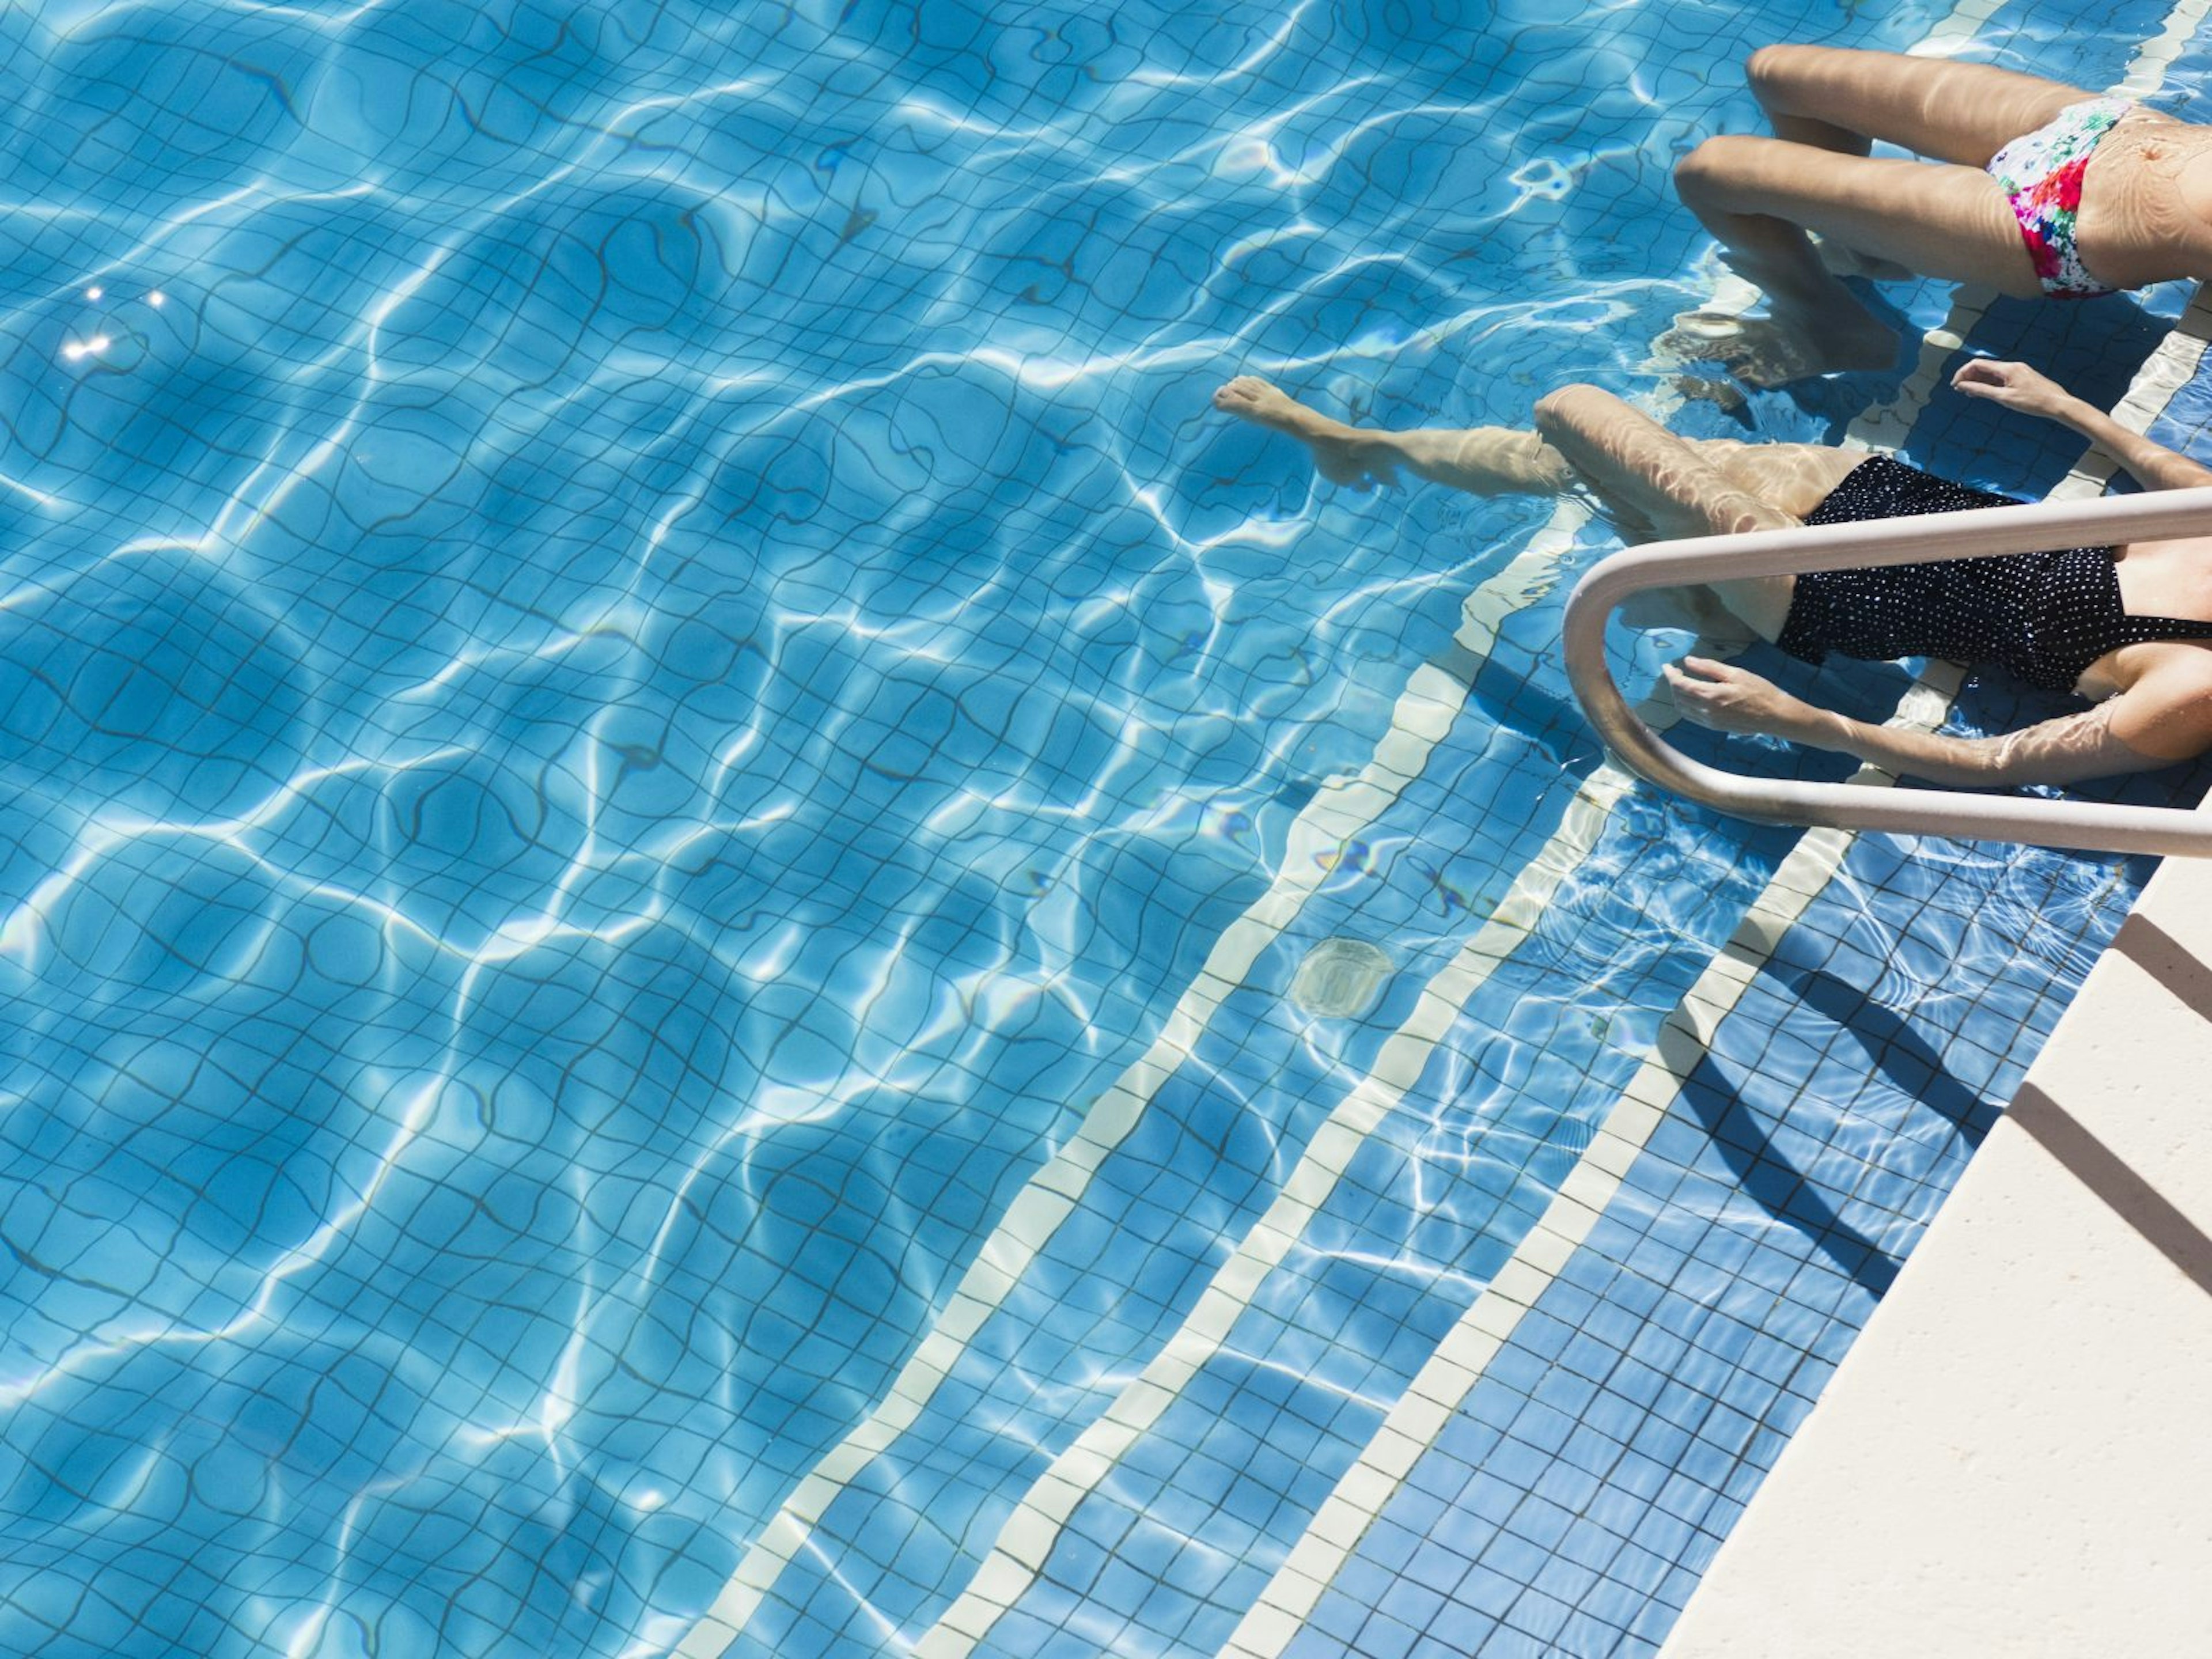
x,y
2015,1459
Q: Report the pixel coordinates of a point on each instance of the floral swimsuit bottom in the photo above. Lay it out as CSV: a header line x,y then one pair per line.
x,y
2041,173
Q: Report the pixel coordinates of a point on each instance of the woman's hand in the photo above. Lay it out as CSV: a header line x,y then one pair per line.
x,y
2015,385
1728,699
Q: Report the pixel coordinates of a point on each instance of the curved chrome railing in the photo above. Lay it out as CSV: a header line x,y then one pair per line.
x,y
2083,824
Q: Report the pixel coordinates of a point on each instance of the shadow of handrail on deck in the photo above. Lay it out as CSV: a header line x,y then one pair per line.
x,y
2108,1176
2167,960
1894,1050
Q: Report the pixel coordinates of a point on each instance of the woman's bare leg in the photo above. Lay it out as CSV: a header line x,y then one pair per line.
x,y
1839,99
1686,488
1938,219
1652,482
1945,217
1759,196
1792,478
1484,460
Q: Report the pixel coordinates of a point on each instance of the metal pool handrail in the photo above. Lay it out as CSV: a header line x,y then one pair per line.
x,y
2084,824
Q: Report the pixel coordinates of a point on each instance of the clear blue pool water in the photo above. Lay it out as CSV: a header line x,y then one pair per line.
x,y
636,679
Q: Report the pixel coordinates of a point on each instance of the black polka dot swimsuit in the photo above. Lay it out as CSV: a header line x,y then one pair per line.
x,y
2046,617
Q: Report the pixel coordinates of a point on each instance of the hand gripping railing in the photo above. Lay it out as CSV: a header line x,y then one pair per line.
x,y
2084,824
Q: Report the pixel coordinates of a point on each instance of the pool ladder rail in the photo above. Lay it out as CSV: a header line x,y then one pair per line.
x,y
2086,825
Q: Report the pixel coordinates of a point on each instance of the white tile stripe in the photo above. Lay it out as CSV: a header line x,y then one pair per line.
x,y
2146,70
1958,30
1026,1537
1424,712
994,1272
1886,426
1442,1386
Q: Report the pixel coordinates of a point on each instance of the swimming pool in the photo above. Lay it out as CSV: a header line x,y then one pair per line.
x,y
666,787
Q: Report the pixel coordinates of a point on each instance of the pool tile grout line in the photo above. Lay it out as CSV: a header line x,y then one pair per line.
x,y
1460,1361
1424,712
1011,1567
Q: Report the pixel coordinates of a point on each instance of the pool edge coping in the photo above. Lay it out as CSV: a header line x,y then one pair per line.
x,y
2008,1460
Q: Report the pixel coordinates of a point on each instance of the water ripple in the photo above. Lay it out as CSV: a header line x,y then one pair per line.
x,y
633,668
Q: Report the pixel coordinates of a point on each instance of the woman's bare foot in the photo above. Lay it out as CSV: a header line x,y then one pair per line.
x,y
1763,351
1341,454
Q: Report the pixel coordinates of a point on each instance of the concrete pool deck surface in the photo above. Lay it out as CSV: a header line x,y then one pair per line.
x,y
2014,1458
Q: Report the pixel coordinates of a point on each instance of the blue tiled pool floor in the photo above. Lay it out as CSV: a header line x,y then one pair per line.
x,y
667,784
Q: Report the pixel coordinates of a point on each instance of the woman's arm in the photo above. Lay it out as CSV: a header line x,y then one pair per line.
x,y
2015,385
2165,717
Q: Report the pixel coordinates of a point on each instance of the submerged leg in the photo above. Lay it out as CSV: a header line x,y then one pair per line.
x,y
1759,196
1483,460
1686,488
1651,482
1765,200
